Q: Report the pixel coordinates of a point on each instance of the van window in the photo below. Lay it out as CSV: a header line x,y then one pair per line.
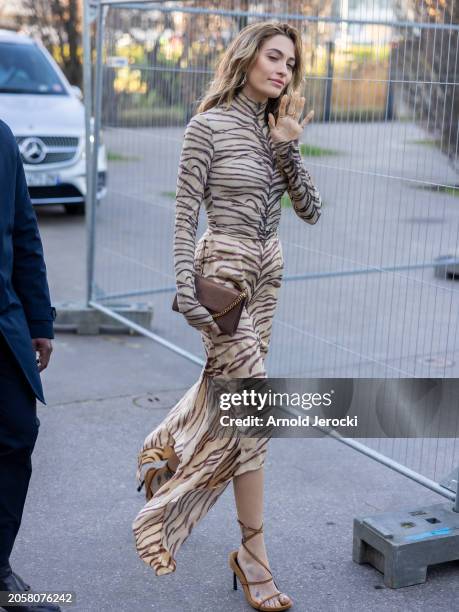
x,y
24,69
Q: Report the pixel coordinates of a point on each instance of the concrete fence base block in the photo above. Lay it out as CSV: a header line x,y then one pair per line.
x,y
403,544
81,319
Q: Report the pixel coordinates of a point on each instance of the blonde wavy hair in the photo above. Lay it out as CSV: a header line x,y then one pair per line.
x,y
240,56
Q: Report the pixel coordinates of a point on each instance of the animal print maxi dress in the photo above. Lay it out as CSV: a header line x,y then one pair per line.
x,y
229,163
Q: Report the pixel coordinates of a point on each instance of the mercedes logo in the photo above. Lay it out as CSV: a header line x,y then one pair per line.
x,y
33,150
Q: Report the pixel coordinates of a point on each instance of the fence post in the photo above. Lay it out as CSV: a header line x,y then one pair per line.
x,y
88,106
329,81
93,152
390,85
456,502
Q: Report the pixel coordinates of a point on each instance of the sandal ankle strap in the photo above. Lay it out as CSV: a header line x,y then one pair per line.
x,y
246,538
254,556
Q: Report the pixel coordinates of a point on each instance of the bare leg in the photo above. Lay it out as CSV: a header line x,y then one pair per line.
x,y
248,493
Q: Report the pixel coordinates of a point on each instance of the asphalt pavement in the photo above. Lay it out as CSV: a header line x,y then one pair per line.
x,y
104,395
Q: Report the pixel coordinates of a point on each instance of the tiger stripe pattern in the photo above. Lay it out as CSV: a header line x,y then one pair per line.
x,y
230,163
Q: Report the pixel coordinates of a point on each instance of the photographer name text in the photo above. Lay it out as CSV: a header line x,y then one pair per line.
x,y
303,421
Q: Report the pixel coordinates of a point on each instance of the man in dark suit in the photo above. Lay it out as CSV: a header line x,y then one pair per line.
x,y
26,329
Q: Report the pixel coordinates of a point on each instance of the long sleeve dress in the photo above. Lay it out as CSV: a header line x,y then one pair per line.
x,y
231,165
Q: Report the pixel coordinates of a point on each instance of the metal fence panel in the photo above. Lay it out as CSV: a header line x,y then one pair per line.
x,y
369,291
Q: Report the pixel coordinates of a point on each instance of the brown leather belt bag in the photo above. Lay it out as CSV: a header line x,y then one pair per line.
x,y
225,304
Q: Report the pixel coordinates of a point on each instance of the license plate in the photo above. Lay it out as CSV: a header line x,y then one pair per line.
x,y
41,179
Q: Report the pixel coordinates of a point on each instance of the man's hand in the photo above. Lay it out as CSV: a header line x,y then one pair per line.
x,y
44,348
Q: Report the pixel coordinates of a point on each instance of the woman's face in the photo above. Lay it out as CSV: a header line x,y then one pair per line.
x,y
273,69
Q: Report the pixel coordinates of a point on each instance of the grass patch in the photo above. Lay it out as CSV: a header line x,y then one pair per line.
x,y
454,191
429,142
286,201
168,194
307,150
113,156
448,189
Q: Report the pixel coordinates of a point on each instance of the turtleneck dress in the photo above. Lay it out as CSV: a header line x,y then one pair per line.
x,y
230,164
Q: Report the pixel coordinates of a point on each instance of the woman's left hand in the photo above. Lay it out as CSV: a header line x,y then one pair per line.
x,y
288,126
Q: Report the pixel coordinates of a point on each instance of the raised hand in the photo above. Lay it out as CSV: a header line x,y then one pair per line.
x,y
289,126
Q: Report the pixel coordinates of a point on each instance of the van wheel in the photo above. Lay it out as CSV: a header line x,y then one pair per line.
x,y
74,209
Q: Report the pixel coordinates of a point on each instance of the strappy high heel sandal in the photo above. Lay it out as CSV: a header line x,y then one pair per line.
x,y
238,573
154,479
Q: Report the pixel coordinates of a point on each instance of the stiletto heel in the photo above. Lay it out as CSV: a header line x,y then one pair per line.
x,y
237,571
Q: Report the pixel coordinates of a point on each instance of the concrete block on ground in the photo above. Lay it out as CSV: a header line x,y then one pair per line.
x,y
403,544
77,317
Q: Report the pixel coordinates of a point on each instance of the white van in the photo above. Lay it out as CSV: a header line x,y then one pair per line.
x,y
46,115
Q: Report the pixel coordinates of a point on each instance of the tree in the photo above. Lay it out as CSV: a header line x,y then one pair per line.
x,y
58,23
179,54
425,60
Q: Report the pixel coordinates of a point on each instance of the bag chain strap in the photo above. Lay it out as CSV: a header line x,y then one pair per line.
x,y
242,295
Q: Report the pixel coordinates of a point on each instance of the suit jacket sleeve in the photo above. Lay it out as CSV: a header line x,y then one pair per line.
x,y
29,269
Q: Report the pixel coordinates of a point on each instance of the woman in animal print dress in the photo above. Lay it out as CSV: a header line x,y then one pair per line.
x,y
240,154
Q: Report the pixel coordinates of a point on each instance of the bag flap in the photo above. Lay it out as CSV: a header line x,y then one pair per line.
x,y
213,295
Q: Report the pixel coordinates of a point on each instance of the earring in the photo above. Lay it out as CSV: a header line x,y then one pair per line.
x,y
244,79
